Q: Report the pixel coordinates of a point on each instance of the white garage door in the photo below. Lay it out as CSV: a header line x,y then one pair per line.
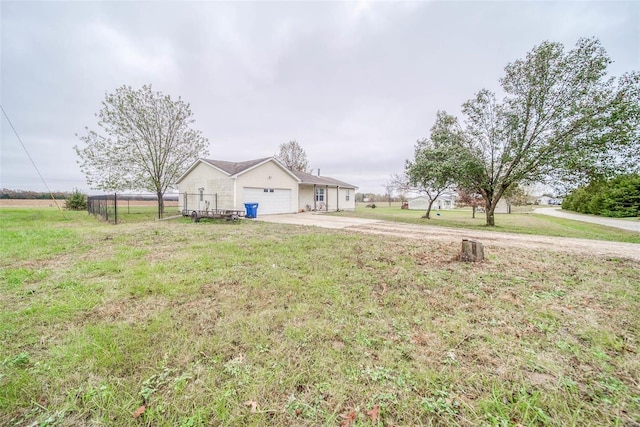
x,y
270,200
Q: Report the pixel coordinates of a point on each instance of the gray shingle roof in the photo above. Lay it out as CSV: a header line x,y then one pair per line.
x,y
233,168
307,178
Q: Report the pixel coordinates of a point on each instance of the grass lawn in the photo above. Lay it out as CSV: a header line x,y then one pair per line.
x,y
523,221
179,324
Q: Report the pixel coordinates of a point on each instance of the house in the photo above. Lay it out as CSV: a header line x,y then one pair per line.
x,y
503,207
217,184
443,201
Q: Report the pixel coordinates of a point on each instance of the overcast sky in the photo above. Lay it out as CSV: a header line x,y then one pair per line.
x,y
355,83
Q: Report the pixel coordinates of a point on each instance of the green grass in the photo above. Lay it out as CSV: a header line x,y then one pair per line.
x,y
519,222
251,323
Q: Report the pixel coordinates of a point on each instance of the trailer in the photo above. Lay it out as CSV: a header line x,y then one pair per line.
x,y
228,214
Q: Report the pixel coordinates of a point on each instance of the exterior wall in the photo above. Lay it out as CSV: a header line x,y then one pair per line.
x,y
333,198
347,205
422,203
213,181
502,207
267,175
305,197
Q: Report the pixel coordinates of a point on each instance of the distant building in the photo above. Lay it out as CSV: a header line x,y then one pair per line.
x,y
444,201
548,200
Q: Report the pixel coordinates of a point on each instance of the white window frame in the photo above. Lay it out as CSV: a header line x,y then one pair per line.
x,y
319,194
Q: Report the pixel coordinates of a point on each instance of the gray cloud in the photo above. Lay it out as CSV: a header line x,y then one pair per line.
x,y
355,83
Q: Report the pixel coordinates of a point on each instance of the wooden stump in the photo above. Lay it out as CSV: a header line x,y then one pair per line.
x,y
472,251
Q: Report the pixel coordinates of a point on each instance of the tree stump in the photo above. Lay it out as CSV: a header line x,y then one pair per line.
x,y
472,251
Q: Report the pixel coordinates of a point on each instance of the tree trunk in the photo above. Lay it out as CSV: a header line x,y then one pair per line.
x,y
491,221
473,211
160,204
428,214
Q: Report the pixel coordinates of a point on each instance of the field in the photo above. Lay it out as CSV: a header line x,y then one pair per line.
x,y
522,221
250,323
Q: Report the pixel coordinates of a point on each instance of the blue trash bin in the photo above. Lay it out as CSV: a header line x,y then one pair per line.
x,y
252,210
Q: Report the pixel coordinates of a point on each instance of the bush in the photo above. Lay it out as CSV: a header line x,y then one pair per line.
x,y
77,201
618,197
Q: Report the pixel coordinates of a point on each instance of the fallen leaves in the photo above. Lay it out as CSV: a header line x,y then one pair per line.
x,y
350,417
139,411
374,413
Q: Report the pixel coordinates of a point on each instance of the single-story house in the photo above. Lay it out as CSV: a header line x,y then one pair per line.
x,y
548,200
217,184
443,201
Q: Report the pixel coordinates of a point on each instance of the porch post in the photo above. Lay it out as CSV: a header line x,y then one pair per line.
x,y
326,202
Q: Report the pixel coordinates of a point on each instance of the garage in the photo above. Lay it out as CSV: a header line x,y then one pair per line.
x,y
270,200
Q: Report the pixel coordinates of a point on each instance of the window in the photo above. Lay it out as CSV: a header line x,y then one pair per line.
x,y
268,190
346,197
319,194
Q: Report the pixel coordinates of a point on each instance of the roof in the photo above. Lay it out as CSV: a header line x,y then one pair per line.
x,y
307,178
234,168
237,168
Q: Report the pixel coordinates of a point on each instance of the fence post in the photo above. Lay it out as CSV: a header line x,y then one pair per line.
x,y
115,208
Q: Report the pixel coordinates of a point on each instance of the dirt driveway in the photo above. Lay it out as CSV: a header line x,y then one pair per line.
x,y
596,248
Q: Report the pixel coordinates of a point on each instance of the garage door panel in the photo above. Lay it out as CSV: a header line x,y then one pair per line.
x,y
270,200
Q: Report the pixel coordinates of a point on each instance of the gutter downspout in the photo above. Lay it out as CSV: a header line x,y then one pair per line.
x,y
337,198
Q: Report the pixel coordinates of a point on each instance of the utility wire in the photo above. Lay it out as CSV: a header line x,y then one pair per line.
x,y
32,162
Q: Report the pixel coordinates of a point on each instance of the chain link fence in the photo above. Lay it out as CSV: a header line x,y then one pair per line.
x,y
115,208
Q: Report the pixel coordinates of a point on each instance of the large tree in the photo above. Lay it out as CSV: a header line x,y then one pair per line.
x,y
293,156
145,143
437,161
561,119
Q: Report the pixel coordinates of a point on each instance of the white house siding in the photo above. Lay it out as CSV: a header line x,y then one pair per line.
x,y
347,205
270,176
305,197
334,198
213,181
422,203
502,207
419,203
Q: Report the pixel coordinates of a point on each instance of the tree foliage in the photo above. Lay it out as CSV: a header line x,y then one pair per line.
x,y
437,161
77,201
293,156
145,142
561,120
618,197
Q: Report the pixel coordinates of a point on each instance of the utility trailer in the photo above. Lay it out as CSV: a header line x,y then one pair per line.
x,y
228,214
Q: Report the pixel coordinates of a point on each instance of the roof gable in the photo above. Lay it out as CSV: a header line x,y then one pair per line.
x,y
234,169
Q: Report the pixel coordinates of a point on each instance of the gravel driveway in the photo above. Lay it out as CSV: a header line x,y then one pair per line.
x,y
597,248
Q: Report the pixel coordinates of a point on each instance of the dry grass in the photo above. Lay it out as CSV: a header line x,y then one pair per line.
x,y
263,324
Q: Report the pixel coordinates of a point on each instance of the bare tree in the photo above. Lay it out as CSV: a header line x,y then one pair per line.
x,y
293,156
145,143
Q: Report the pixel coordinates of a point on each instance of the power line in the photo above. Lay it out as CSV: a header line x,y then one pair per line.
x,y
32,162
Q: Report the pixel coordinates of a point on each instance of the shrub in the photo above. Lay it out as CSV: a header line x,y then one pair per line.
x,y
77,201
618,197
